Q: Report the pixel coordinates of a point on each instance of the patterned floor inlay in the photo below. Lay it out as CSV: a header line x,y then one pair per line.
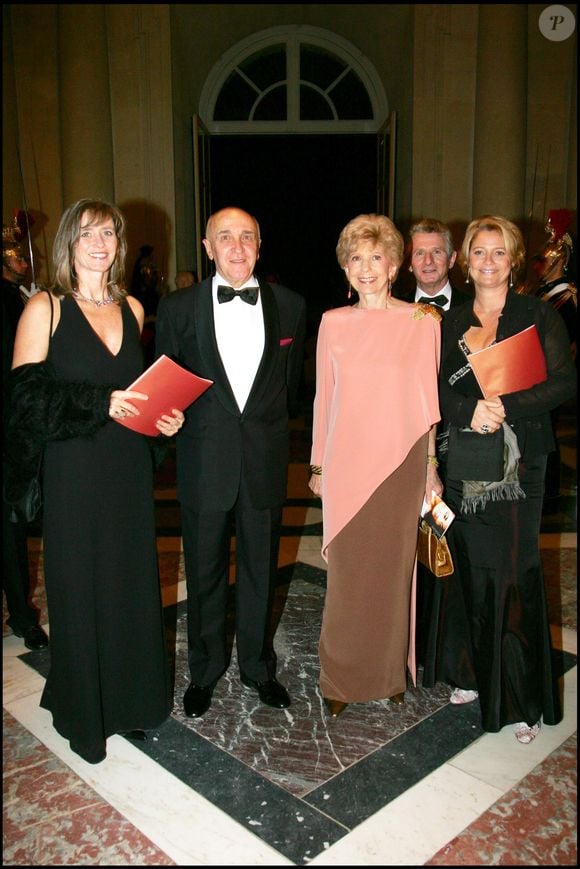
x,y
534,824
52,818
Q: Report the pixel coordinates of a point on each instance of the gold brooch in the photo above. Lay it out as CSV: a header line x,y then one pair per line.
x,y
423,309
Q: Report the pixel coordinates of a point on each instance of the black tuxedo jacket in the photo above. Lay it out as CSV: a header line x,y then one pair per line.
x,y
221,449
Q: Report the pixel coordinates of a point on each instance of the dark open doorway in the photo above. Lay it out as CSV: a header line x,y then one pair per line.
x,y
302,190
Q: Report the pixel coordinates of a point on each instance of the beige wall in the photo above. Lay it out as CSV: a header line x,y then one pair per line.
x,y
495,126
99,98
90,108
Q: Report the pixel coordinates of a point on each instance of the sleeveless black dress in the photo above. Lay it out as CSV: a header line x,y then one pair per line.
x,y
108,658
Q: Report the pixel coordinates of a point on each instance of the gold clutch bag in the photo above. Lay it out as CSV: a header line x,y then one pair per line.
x,y
433,551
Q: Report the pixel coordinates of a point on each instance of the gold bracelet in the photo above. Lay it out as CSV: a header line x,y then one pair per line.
x,y
433,460
316,469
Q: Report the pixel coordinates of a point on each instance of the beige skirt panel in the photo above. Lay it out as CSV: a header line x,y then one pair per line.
x,y
364,641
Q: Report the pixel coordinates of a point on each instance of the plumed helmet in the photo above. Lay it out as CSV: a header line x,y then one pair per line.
x,y
11,241
557,251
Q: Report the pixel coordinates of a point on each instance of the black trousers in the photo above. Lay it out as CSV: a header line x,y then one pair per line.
x,y
206,546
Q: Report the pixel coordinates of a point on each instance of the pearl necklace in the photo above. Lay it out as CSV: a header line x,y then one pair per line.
x,y
99,303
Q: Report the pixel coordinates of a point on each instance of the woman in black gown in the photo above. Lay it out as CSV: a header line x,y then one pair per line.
x,y
490,635
76,349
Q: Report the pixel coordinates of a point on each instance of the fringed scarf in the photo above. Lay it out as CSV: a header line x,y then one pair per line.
x,y
477,493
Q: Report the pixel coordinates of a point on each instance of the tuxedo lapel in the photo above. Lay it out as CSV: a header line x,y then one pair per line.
x,y
212,362
271,346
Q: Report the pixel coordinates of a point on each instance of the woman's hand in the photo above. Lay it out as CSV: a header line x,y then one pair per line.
x,y
315,484
488,416
170,425
121,406
433,483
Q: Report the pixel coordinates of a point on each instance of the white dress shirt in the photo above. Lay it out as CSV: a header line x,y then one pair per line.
x,y
444,291
239,331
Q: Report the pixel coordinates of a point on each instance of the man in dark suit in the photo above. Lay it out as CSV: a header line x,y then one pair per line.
x,y
232,453
431,258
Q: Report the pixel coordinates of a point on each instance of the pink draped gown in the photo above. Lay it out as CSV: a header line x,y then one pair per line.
x,y
376,400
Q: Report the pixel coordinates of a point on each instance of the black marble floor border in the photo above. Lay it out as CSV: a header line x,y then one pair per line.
x,y
288,824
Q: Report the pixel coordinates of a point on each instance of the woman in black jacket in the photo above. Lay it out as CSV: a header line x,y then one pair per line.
x,y
490,635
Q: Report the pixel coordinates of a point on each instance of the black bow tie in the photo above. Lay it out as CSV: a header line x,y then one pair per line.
x,y
438,301
226,294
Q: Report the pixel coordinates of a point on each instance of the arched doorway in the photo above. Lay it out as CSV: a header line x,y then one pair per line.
x,y
294,126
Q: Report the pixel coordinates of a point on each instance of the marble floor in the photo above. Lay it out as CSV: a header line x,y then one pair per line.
x,y
383,785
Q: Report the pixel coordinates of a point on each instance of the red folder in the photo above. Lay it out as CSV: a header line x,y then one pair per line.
x,y
168,385
517,362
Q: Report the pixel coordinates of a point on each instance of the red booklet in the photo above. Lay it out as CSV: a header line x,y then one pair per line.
x,y
168,385
515,363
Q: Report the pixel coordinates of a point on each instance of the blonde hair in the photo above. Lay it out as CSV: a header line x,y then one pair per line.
x,y
374,228
511,235
67,236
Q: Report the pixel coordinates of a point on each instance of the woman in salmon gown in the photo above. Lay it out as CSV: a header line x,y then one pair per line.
x,y
375,412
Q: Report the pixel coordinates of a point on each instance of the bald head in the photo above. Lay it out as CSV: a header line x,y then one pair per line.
x,y
233,242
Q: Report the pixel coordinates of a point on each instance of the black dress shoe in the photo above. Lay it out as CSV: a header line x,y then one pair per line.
x,y
34,637
197,700
270,692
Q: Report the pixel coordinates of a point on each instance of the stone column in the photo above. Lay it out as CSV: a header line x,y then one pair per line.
x,y
85,111
499,162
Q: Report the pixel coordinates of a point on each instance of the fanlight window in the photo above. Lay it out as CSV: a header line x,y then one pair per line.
x,y
257,88
293,80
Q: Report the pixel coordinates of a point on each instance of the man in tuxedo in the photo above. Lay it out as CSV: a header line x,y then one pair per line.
x,y
431,258
233,451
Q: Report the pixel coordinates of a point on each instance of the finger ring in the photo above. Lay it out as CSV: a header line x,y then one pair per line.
x,y
485,428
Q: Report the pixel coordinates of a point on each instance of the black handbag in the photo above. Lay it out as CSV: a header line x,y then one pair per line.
x,y
474,456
